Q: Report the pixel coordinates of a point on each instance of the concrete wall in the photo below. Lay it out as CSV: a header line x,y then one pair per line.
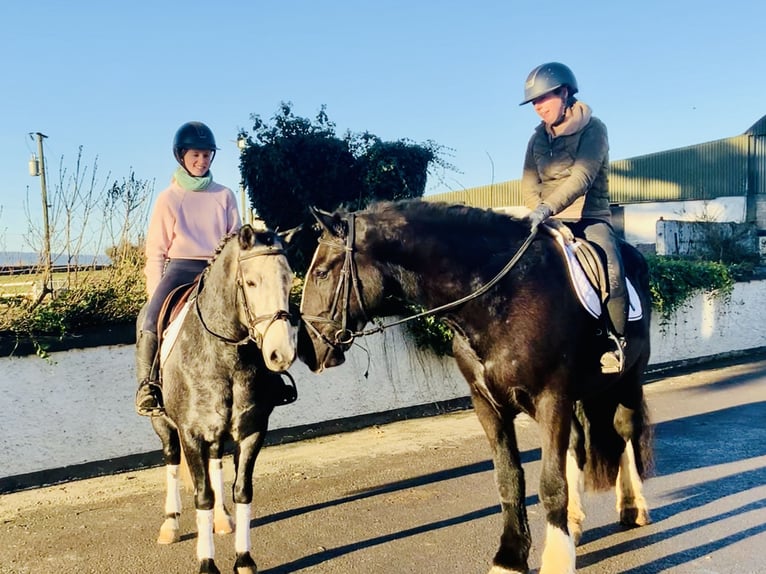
x,y
78,407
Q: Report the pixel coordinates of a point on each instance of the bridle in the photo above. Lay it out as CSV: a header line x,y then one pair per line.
x,y
252,333
349,278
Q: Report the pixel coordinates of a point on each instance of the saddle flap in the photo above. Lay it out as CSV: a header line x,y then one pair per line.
x,y
588,274
173,304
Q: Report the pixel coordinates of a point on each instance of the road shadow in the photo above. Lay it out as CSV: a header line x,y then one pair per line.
x,y
711,439
388,488
726,436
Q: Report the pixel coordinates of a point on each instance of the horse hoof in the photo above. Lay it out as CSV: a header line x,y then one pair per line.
x,y
501,570
223,524
169,533
245,564
207,566
575,531
632,517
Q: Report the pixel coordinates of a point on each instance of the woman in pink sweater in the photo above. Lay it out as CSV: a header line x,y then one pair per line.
x,y
188,222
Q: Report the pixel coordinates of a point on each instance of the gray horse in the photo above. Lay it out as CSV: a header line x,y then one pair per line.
x,y
220,381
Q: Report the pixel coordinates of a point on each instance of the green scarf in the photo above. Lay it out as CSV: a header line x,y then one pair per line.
x,y
193,183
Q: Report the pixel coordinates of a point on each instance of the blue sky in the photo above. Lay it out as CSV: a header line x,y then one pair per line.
x,y
118,78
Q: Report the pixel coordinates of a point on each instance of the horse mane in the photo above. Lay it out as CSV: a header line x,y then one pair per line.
x,y
468,223
221,244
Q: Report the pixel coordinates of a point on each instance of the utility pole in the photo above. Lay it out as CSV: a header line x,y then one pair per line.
x,y
246,213
47,262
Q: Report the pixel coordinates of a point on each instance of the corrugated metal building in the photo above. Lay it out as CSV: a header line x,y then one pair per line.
x,y
734,166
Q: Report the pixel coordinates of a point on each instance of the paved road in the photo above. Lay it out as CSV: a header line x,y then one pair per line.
x,y
418,497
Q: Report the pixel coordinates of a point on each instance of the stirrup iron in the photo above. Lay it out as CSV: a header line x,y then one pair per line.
x,y
613,361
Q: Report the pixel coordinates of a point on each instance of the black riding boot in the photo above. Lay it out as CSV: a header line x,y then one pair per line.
x,y
149,394
613,361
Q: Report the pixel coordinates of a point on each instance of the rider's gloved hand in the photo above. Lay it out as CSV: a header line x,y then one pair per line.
x,y
538,215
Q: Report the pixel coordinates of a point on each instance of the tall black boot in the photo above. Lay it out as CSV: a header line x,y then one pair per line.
x,y
613,361
149,393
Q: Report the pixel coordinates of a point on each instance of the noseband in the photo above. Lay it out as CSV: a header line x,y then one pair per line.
x,y
252,333
349,276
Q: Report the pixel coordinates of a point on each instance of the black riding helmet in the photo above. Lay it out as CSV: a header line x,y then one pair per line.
x,y
546,78
193,135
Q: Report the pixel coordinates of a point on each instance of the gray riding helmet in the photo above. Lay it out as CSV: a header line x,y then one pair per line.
x,y
546,78
192,135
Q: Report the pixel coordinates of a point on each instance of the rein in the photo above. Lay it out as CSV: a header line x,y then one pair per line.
x,y
349,274
252,321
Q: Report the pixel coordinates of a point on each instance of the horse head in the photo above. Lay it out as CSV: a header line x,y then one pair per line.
x,y
335,303
264,280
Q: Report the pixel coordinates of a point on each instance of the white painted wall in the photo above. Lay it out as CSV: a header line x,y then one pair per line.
x,y
78,407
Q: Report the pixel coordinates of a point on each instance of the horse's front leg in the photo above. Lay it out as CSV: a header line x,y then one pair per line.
x,y
554,415
247,452
197,455
631,504
515,540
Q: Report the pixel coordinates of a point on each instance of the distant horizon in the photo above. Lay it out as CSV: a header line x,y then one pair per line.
x,y
26,258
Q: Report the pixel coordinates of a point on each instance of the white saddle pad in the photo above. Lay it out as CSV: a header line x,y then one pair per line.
x,y
170,334
588,296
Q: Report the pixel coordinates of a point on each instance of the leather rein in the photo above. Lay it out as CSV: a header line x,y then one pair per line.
x,y
252,333
349,278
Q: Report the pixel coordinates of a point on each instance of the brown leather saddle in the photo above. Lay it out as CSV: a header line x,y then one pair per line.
x,y
173,304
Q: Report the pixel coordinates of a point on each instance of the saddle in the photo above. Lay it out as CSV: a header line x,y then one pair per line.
x,y
173,305
587,272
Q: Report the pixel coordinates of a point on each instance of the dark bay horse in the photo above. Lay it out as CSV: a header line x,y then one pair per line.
x,y
220,381
524,346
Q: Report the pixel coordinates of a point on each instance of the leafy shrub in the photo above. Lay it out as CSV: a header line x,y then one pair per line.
x,y
674,281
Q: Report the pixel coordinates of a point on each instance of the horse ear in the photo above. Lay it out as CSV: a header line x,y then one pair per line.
x,y
287,235
329,222
246,236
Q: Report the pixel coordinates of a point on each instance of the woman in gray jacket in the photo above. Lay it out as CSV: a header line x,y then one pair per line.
x,y
566,176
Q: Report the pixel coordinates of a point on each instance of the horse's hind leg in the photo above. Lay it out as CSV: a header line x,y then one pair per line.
x,y
575,482
171,451
631,422
631,504
222,521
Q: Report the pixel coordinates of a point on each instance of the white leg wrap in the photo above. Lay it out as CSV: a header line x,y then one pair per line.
x,y
205,547
173,492
242,537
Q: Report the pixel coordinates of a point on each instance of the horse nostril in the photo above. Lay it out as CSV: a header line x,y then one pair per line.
x,y
279,360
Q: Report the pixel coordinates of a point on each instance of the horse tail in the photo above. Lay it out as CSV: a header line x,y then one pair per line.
x,y
603,426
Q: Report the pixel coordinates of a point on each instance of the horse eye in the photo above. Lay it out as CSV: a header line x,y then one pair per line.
x,y
320,273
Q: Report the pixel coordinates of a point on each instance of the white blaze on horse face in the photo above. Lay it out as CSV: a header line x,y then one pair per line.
x,y
268,280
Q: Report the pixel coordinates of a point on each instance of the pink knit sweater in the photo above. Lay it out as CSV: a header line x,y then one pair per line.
x,y
187,225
